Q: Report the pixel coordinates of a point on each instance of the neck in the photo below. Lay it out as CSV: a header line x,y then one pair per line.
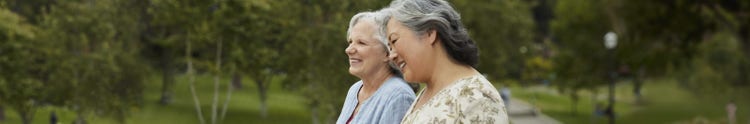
x,y
446,72
371,83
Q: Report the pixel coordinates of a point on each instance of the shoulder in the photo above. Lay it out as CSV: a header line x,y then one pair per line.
x,y
396,86
474,94
476,88
478,97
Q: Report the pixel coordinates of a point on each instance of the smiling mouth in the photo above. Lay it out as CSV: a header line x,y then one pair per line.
x,y
354,60
402,65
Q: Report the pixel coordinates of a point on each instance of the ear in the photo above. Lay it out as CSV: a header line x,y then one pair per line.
x,y
431,36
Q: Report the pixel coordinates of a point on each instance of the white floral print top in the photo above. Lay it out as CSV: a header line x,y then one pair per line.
x,y
470,100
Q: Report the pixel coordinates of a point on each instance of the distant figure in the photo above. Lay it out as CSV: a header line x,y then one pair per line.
x,y
505,95
731,111
53,118
599,110
609,110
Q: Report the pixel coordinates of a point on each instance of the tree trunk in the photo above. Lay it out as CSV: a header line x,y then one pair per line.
x,y
574,104
215,104
314,112
638,84
25,111
121,116
25,117
191,80
262,89
230,88
236,81
79,119
167,82
2,113
744,35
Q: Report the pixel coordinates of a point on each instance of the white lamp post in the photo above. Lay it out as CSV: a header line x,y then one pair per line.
x,y
610,42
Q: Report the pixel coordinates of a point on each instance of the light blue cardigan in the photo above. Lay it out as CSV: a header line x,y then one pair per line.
x,y
387,105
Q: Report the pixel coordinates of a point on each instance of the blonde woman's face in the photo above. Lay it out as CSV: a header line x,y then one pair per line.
x,y
366,53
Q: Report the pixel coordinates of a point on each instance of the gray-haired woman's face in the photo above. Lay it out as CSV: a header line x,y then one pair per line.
x,y
411,52
366,53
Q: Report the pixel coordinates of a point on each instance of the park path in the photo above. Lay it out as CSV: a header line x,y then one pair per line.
x,y
521,112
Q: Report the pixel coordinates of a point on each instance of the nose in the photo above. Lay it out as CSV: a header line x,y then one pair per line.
x,y
393,56
349,50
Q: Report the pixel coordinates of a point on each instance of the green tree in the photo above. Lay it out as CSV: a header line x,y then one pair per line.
x,y
665,36
582,62
246,26
19,62
716,69
184,26
100,70
84,59
500,28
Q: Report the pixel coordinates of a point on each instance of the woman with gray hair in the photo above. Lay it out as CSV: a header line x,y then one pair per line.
x,y
431,46
382,96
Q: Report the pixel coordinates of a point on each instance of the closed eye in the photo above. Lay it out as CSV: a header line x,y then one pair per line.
x,y
392,44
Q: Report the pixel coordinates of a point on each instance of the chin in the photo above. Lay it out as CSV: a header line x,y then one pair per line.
x,y
408,78
352,71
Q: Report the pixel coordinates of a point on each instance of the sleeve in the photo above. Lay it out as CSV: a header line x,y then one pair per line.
x,y
397,108
481,109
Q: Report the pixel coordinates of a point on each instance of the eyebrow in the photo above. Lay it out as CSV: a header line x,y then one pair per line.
x,y
391,33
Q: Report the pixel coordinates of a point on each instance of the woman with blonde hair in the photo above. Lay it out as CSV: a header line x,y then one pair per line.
x,y
382,96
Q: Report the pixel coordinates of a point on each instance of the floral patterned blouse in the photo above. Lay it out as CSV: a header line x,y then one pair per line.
x,y
469,100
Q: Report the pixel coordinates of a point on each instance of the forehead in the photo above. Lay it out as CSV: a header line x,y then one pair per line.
x,y
364,29
393,26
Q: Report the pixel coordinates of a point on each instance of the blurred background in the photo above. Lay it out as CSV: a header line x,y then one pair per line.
x,y
283,61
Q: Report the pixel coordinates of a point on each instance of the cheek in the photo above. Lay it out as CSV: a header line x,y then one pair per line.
x,y
372,54
407,51
401,49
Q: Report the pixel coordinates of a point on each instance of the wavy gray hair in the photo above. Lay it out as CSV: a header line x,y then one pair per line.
x,y
422,16
379,19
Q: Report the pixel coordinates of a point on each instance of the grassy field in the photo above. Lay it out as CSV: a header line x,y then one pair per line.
x,y
283,106
664,102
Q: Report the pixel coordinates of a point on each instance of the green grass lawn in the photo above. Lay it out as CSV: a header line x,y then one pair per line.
x,y
664,102
244,107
